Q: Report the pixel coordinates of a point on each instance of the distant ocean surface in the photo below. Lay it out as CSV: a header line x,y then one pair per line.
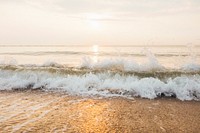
x,y
103,70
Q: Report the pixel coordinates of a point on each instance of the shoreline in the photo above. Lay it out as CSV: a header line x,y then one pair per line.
x,y
40,111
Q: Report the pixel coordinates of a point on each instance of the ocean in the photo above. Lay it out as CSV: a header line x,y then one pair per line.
x,y
129,71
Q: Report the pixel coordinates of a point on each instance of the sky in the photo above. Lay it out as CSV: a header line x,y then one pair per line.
x,y
96,22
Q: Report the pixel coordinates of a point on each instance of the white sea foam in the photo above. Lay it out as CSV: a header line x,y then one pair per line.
x,y
118,63
131,65
8,61
51,63
191,64
121,64
104,84
191,67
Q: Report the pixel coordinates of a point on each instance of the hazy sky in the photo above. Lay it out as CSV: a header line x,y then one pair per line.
x,y
99,22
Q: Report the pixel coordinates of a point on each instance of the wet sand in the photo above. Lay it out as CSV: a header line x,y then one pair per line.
x,y
36,111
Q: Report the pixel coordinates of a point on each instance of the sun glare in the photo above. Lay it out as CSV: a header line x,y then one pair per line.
x,y
95,49
94,24
94,21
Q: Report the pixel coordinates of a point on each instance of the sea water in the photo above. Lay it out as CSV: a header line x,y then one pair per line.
x,y
103,70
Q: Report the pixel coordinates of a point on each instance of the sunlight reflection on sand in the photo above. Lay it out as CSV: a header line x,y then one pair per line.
x,y
36,111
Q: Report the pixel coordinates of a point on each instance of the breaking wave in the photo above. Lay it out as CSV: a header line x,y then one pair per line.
x,y
92,53
103,84
106,77
152,83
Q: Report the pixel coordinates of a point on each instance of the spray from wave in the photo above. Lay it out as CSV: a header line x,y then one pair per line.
x,y
105,77
104,84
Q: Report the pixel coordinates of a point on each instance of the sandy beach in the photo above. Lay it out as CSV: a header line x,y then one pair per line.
x,y
100,66
36,111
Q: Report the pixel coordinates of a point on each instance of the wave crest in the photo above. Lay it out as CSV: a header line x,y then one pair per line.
x,y
103,84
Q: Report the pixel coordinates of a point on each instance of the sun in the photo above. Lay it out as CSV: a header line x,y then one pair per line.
x,y
94,24
94,21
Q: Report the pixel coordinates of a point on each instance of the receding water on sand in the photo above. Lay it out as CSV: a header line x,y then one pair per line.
x,y
38,111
